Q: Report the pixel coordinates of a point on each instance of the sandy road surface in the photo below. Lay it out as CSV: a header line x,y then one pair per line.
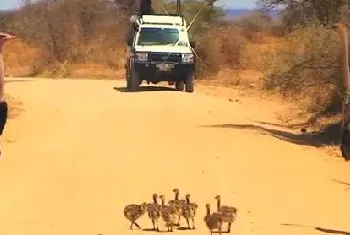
x,y
71,163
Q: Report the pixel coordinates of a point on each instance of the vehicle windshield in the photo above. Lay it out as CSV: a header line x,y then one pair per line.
x,y
158,36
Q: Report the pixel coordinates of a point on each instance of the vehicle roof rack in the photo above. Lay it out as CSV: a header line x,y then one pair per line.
x,y
146,6
141,19
164,14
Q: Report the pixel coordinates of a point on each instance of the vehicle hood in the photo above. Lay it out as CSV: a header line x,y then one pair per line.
x,y
171,49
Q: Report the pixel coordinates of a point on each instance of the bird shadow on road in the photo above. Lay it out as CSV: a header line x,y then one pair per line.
x,y
145,88
329,135
183,228
341,182
332,231
164,231
188,229
320,229
153,230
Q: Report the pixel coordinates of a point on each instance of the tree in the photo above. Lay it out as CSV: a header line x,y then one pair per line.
x,y
326,12
128,7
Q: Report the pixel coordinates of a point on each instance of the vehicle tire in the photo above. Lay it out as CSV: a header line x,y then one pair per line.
x,y
180,85
189,82
127,78
128,85
134,80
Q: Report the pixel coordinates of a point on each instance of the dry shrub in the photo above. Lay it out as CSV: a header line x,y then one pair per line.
x,y
210,58
233,44
308,69
22,59
254,25
220,48
257,56
64,33
277,29
104,50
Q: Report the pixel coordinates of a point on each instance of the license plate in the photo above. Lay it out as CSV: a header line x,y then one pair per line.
x,y
165,67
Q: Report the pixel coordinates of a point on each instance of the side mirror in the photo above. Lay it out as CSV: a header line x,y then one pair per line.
x,y
129,42
135,27
193,44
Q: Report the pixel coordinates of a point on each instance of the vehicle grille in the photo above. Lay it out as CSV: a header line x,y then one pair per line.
x,y
162,57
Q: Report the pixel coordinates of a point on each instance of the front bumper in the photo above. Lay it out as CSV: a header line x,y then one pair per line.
x,y
149,71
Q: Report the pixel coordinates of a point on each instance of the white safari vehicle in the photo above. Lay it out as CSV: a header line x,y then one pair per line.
x,y
158,49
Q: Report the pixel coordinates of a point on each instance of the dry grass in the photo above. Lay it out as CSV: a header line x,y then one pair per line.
x,y
21,58
258,55
96,71
228,77
25,60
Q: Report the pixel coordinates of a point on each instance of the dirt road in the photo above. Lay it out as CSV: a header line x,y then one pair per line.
x,y
81,150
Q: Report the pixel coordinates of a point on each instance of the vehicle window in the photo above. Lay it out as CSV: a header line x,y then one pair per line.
x,y
158,36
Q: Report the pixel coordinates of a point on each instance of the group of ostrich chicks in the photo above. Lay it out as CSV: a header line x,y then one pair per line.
x,y
176,208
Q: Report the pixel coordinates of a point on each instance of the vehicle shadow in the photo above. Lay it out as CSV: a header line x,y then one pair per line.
x,y
320,229
145,88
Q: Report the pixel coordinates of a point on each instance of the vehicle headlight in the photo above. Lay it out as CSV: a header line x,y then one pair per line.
x,y
141,56
188,58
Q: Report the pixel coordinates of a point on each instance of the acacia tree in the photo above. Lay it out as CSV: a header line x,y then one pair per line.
x,y
326,12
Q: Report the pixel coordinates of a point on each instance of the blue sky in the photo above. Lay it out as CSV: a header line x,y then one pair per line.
x,y
236,3
8,4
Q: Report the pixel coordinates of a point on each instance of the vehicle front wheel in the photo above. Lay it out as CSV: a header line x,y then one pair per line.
x,y
134,80
180,86
127,78
189,82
